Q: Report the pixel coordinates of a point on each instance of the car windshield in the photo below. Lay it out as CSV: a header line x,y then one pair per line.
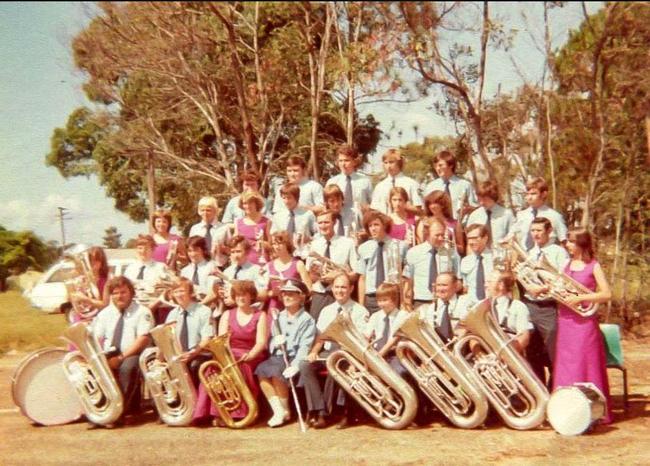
x,y
62,275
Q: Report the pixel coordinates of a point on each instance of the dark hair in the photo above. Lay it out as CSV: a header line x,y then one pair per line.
x,y
373,215
294,160
145,240
537,183
117,282
447,157
543,221
348,151
482,229
583,239
198,242
290,189
488,189
184,283
508,280
332,190
283,237
162,214
249,175
97,254
237,240
442,199
243,287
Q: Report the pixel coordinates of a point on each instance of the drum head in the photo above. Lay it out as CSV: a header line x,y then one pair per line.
x,y
41,390
572,410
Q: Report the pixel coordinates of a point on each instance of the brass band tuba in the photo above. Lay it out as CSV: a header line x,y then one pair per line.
x,y
168,380
541,273
225,384
368,378
88,371
439,375
505,377
84,283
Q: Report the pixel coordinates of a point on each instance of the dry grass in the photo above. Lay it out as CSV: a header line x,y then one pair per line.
x,y
24,328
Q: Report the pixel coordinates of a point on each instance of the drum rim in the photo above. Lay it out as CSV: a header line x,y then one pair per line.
x,y
581,388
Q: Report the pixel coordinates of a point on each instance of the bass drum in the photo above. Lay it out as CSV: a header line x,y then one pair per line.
x,y
41,390
573,410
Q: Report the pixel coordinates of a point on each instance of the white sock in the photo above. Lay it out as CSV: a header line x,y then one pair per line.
x,y
279,413
285,406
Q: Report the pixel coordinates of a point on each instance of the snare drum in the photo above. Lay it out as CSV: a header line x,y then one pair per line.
x,y
41,390
572,410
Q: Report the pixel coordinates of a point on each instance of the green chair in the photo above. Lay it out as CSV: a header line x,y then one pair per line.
x,y
614,351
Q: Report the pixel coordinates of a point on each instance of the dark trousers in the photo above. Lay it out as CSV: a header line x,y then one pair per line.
x,y
128,377
541,350
318,302
309,381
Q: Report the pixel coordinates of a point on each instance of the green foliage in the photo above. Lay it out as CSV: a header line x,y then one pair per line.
x,y
112,239
20,251
419,156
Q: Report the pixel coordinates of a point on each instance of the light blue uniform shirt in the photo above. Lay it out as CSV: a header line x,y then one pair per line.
x,y
458,309
250,272
502,221
205,268
556,255
469,269
198,323
304,220
311,194
361,187
232,211
299,332
138,321
459,189
382,190
418,262
367,263
525,219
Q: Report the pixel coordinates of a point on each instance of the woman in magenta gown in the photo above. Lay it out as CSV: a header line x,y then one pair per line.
x,y
580,349
248,343
254,226
438,204
161,223
403,227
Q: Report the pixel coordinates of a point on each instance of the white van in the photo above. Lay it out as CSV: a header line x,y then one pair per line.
x,y
50,295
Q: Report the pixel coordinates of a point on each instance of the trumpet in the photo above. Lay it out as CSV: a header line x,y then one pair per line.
x,y
325,266
148,295
541,273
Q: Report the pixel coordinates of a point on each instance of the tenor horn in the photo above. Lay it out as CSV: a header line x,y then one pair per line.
x,y
88,371
225,384
168,378
368,378
505,377
439,375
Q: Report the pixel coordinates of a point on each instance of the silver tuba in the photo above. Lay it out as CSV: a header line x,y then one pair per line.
x,y
505,377
88,371
439,375
84,283
368,378
168,380
541,273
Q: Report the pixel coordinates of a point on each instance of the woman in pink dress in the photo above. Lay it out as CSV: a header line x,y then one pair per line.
x,y
403,227
253,226
161,223
580,349
284,266
438,204
248,343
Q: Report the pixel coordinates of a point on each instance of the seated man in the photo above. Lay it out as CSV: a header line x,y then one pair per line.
x,y
316,401
511,314
446,312
123,330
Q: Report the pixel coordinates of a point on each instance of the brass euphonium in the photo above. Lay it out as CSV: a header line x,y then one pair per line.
x,y
542,273
505,377
439,375
84,283
368,378
168,380
225,384
88,371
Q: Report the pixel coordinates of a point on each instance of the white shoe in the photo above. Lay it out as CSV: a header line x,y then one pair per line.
x,y
278,419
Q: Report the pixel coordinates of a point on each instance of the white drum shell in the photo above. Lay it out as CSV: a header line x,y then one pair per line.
x,y
41,390
573,410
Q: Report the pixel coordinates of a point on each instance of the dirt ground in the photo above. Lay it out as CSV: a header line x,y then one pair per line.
x,y
627,441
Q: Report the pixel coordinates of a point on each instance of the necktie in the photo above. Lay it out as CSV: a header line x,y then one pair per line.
x,y
237,270
141,273
488,224
339,310
208,238
529,238
433,270
348,191
384,337
444,331
291,227
183,337
380,276
447,188
327,249
116,342
341,231
393,181
480,278
195,275
539,254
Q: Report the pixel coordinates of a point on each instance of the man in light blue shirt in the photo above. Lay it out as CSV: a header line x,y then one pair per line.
x,y
459,190
477,265
311,192
393,163
216,234
297,221
499,221
356,188
536,194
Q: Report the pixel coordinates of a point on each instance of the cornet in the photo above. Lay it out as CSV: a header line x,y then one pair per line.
x,y
324,266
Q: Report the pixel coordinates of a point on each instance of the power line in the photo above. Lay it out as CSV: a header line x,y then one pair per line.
x,y
62,217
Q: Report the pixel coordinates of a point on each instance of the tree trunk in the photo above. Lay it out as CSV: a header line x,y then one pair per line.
x,y
151,187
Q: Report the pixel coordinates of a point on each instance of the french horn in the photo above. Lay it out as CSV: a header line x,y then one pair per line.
x,y
503,374
88,371
225,384
367,377
168,380
439,375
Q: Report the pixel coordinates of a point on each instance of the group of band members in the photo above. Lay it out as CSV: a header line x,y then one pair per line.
x,y
276,274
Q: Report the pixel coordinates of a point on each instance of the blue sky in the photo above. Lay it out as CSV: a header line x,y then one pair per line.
x,y
39,88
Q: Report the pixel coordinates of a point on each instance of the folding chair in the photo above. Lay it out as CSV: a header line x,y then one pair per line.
x,y
614,351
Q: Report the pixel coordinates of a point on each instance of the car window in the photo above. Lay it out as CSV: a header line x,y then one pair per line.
x,y
62,275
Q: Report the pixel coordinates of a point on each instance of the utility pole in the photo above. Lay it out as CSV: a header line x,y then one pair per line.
x,y
62,217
